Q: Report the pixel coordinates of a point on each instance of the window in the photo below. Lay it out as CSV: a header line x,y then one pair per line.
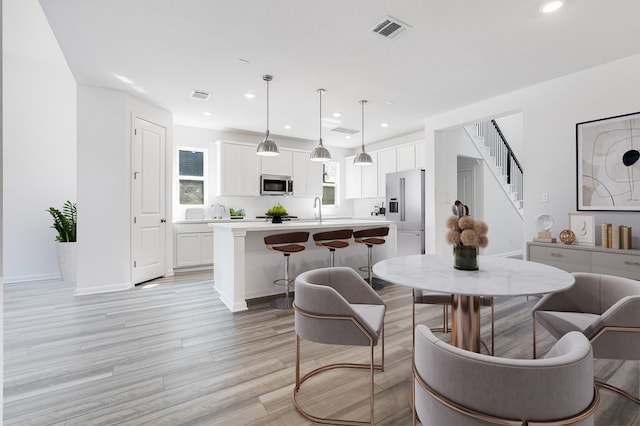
x,y
329,183
192,176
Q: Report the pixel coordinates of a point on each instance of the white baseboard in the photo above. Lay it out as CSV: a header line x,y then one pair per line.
x,y
103,289
27,278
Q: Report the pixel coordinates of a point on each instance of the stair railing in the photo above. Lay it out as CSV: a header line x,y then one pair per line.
x,y
504,156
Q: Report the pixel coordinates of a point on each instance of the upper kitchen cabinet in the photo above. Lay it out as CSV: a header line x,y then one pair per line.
x,y
238,171
386,164
307,175
362,181
411,156
278,164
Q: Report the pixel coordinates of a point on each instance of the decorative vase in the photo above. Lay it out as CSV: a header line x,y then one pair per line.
x,y
465,258
67,255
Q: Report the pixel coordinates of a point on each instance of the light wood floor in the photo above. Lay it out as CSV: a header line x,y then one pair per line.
x,y
172,354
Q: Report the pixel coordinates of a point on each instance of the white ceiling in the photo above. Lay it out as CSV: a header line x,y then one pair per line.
x,y
455,53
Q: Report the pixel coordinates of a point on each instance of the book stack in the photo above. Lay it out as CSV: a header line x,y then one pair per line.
x,y
616,236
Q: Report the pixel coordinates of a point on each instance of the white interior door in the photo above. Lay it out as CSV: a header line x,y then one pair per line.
x,y
149,201
466,189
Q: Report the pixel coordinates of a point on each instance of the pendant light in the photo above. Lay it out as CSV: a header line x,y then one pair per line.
x,y
362,159
320,153
267,147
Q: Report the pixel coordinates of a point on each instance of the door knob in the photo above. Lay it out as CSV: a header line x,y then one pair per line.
x,y
163,220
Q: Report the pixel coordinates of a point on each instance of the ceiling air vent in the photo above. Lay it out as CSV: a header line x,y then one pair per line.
x,y
389,27
198,94
344,130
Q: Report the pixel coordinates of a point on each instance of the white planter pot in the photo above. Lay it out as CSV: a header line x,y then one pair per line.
x,y
67,261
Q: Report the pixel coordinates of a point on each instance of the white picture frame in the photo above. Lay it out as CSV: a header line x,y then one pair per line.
x,y
584,227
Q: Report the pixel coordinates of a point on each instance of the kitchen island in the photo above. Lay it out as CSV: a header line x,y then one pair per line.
x,y
245,269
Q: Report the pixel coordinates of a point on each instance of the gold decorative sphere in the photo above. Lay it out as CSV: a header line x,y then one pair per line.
x,y
567,236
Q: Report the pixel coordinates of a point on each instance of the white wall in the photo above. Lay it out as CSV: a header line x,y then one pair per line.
x,y
105,119
205,138
39,140
550,112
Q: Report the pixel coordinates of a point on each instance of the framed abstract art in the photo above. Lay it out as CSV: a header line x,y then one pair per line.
x,y
608,164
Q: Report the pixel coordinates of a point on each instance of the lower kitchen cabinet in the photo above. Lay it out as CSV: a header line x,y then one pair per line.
x,y
193,246
574,258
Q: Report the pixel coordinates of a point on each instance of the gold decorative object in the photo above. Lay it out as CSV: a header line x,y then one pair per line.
x,y
567,236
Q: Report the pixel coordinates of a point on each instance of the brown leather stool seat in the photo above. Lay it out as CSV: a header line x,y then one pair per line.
x,y
291,242
371,237
333,240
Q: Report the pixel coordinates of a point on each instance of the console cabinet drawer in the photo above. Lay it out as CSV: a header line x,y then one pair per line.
x,y
598,260
566,259
623,265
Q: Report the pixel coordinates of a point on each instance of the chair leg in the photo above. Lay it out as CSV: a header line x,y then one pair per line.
x,y
332,257
534,337
617,390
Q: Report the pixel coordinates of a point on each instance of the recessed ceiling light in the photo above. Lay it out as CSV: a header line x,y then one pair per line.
x,y
123,79
286,126
337,114
551,6
207,113
348,137
249,95
384,124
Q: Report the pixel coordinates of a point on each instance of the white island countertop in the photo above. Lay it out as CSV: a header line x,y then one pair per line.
x,y
243,267
296,224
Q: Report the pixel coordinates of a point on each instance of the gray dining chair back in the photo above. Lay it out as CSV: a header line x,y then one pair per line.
x,y
453,386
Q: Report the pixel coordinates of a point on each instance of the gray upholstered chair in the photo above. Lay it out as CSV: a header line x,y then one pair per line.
x,y
453,386
336,306
605,308
424,297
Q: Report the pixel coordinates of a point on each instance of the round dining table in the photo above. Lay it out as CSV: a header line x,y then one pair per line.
x,y
496,276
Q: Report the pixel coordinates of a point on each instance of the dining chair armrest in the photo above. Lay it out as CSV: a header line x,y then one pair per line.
x,y
624,313
353,287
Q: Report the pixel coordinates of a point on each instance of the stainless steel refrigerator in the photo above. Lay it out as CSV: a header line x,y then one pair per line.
x,y
405,207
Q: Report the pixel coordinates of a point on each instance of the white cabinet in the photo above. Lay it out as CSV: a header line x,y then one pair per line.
x,y
193,245
307,175
238,169
406,157
411,156
278,164
353,179
361,181
421,161
386,164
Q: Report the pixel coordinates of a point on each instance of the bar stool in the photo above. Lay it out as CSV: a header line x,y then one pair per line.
x,y
292,242
371,237
333,240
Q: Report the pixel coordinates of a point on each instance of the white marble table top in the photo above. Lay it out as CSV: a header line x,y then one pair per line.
x,y
497,276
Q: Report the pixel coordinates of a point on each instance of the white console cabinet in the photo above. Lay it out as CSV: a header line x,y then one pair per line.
x,y
576,258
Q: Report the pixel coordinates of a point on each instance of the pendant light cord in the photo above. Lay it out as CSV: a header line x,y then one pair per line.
x,y
267,107
320,117
362,103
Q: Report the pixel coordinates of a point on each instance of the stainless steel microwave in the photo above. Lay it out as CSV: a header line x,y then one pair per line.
x,y
276,185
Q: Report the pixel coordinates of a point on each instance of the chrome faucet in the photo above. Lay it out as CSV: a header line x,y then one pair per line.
x,y
317,202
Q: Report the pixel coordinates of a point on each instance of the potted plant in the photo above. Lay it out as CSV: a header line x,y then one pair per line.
x,y
65,222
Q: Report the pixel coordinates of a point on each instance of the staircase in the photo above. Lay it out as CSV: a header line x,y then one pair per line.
x,y
496,152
